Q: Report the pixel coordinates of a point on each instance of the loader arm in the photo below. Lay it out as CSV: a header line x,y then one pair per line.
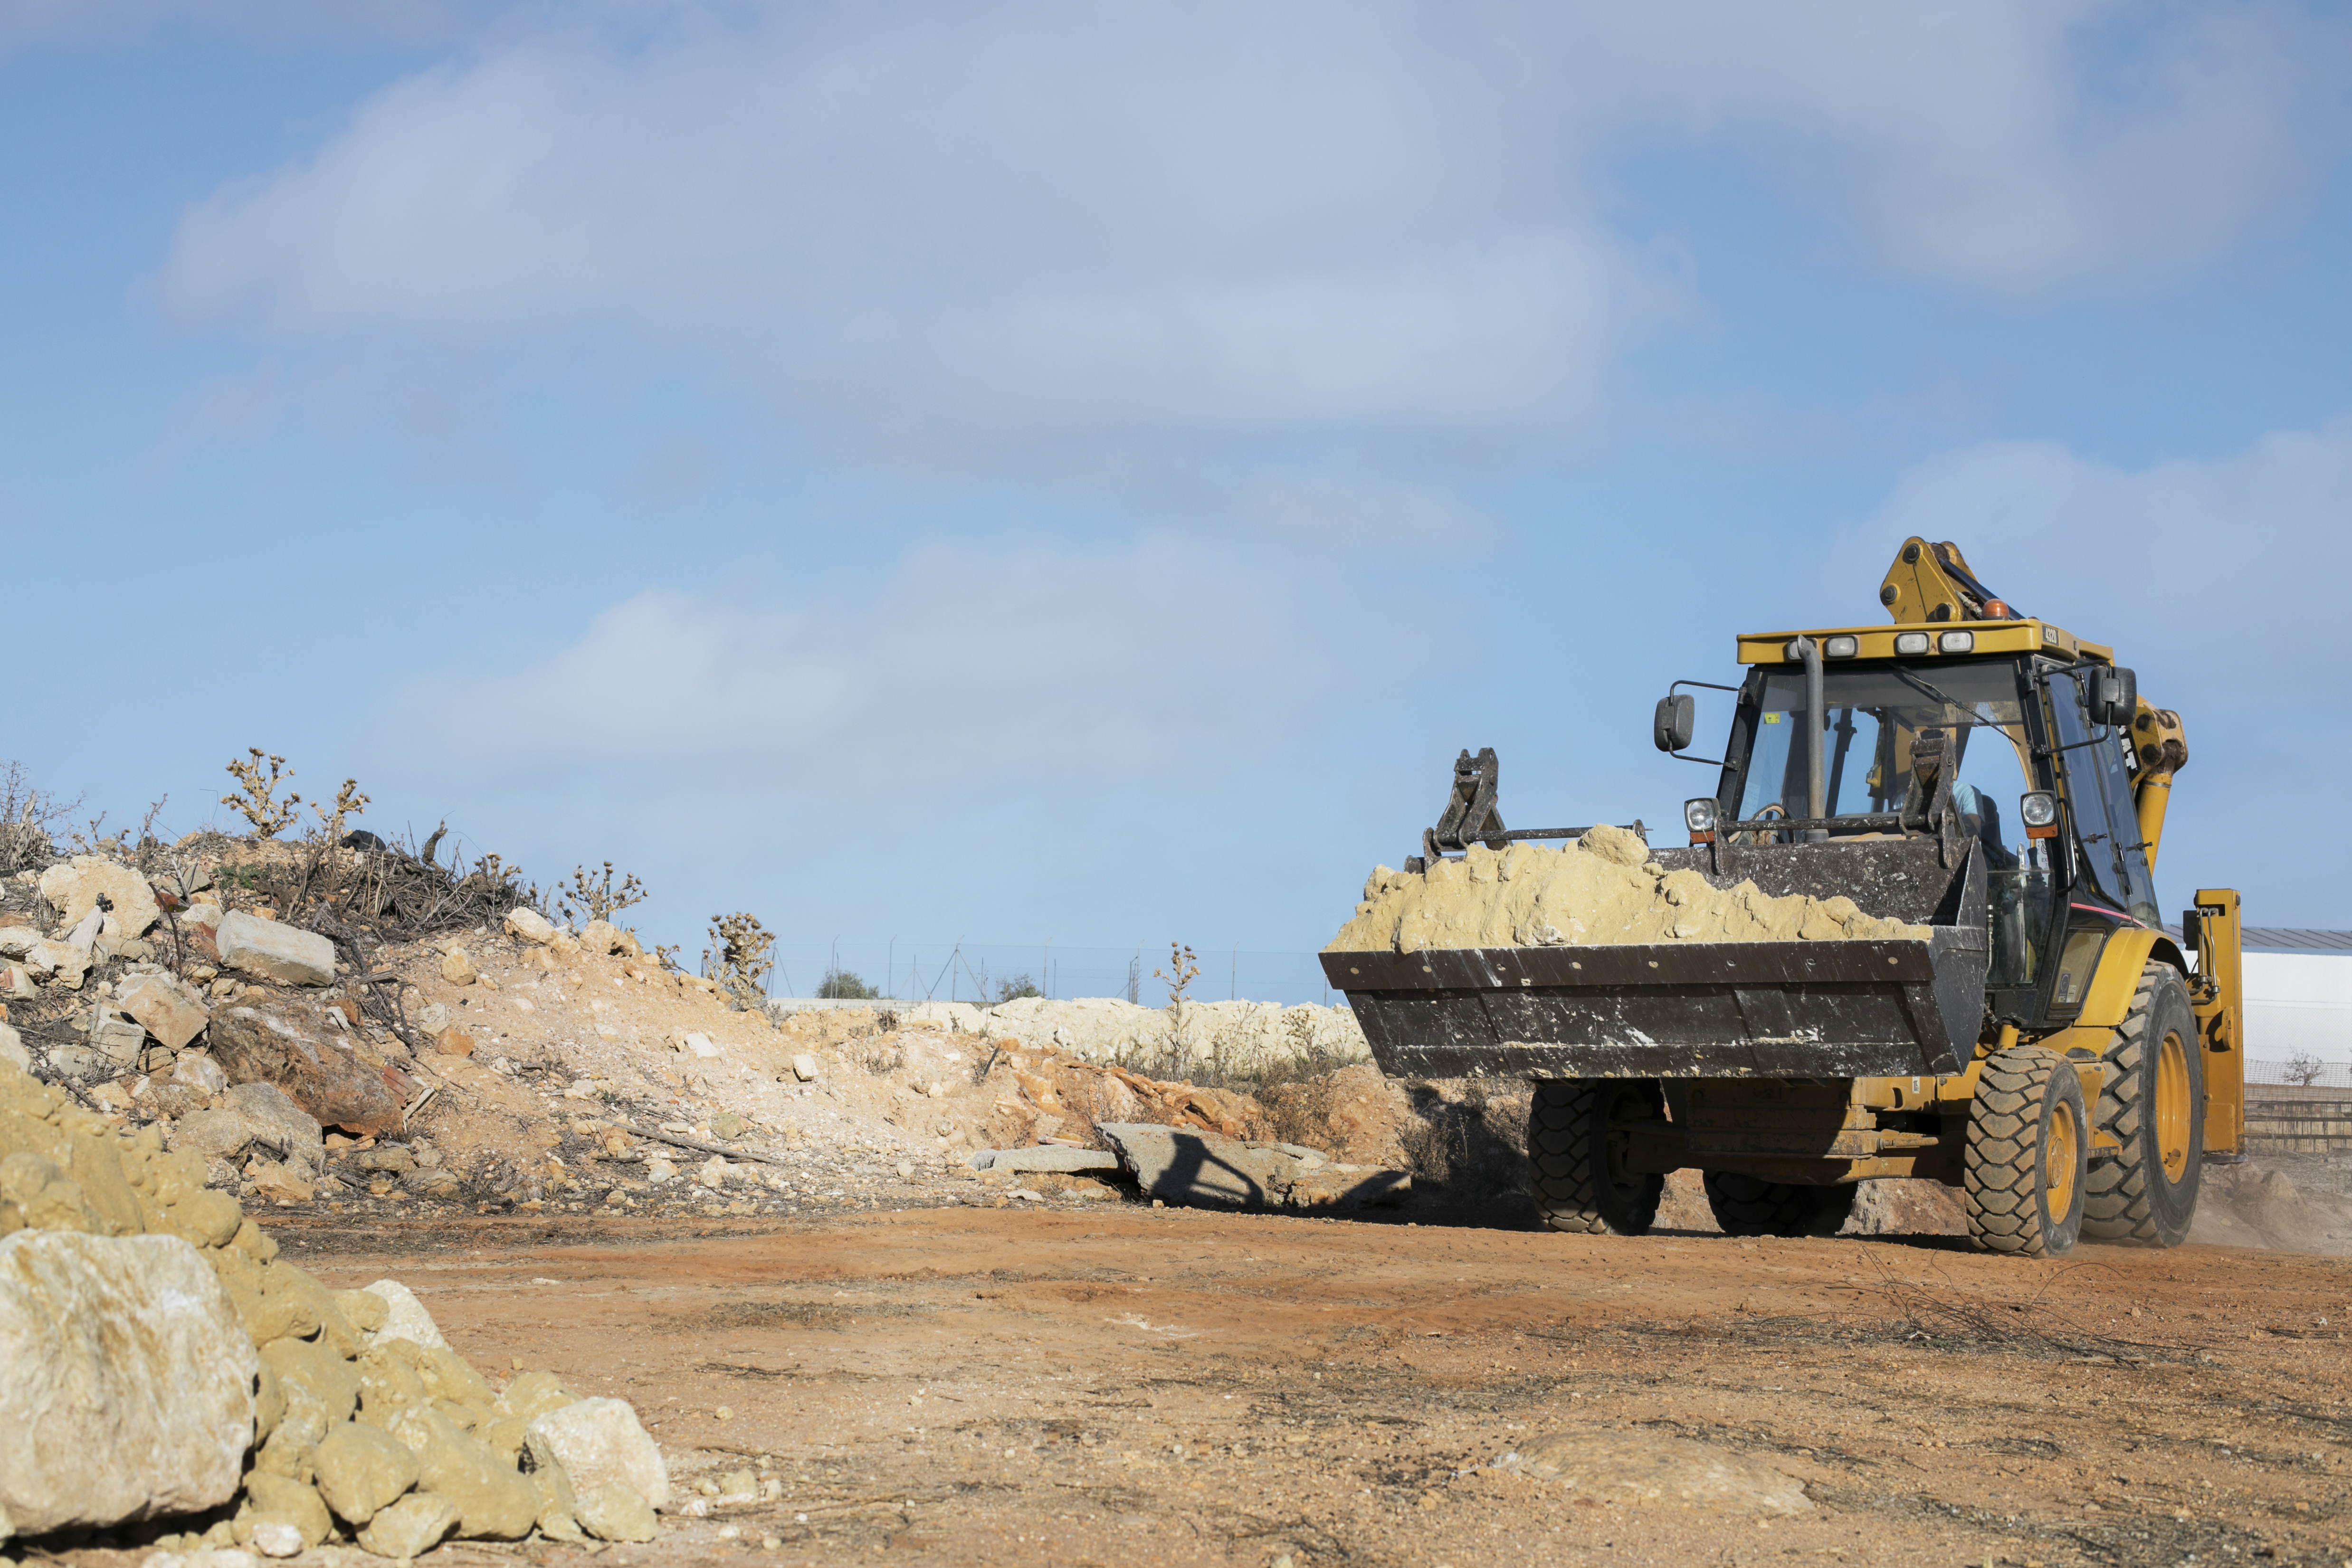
x,y
2161,746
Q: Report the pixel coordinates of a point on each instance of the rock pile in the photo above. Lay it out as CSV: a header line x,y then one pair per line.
x,y
154,1339
1605,888
229,993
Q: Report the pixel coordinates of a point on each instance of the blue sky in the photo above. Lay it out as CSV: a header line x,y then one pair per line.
x,y
1078,474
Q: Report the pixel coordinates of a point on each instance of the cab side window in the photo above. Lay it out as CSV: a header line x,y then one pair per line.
x,y
2099,790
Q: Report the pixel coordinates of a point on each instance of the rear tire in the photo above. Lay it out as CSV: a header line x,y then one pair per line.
x,y
1750,1206
1576,1166
2153,1105
2025,1162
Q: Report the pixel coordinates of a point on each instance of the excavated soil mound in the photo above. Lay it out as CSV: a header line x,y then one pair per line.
x,y
1603,889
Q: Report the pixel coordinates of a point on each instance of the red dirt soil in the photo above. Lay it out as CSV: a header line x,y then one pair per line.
x,y
1126,1385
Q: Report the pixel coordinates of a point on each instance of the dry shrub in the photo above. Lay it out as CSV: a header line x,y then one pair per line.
x,y
1469,1146
29,820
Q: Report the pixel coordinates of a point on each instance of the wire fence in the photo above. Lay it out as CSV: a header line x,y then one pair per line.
x,y
2299,1072
992,972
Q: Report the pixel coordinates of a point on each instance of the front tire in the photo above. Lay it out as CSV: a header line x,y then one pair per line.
x,y
2026,1156
1576,1165
2154,1105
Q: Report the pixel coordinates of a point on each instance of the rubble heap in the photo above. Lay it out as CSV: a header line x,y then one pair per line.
x,y
157,1340
1603,889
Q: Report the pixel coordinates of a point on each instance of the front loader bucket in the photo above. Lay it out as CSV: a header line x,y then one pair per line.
x,y
1705,1009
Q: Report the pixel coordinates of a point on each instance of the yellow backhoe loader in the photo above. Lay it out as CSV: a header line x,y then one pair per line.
x,y
2049,1050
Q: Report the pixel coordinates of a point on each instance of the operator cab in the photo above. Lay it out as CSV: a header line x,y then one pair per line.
x,y
2035,725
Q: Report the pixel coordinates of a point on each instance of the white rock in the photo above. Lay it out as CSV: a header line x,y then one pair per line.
x,y
76,887
162,1007
597,1441
805,1067
129,1393
699,1045
12,1048
530,925
83,937
114,1038
275,951
408,1321
712,1172
15,940
200,1071
275,1538
60,961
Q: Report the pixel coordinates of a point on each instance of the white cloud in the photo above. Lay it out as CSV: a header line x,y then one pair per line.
x,y
988,666
2220,583
2211,566
958,229
996,738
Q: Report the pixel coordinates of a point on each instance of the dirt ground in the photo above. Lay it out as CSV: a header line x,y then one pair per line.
x,y
915,1359
1119,1384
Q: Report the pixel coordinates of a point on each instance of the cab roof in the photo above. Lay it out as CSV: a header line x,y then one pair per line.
x,y
1877,642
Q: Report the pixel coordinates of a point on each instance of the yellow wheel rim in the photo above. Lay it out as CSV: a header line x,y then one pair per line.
x,y
2172,1107
2061,1156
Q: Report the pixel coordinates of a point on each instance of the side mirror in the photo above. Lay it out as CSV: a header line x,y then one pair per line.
x,y
1677,717
2114,696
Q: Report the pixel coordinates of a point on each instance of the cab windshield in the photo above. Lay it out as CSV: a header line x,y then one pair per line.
x,y
1871,714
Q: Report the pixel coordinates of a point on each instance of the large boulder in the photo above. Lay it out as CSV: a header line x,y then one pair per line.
x,y
1202,1169
77,885
319,1070
1211,1171
276,952
129,1392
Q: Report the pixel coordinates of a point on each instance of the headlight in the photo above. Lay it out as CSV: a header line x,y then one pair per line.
x,y
2039,812
1910,642
1841,648
1698,816
1957,643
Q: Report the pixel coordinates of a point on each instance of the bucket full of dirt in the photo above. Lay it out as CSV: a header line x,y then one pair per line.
x,y
1610,960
